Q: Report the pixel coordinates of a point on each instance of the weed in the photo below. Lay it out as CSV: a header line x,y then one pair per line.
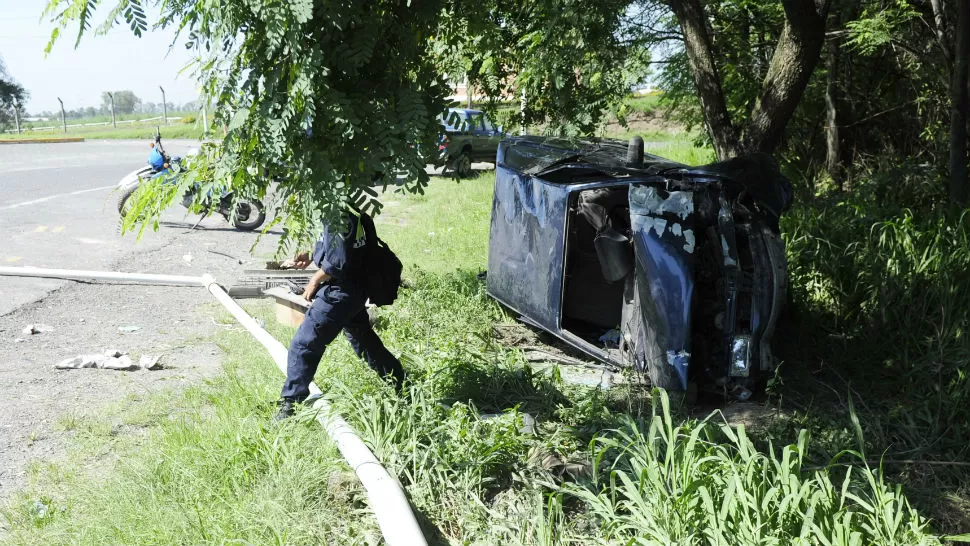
x,y
597,467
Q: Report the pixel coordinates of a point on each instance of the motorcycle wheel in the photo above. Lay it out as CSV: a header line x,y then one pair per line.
x,y
123,204
249,215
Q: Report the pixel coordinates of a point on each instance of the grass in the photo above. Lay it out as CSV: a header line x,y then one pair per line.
x,y
191,130
205,465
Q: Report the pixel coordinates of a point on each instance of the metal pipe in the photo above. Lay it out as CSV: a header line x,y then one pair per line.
x,y
391,507
80,275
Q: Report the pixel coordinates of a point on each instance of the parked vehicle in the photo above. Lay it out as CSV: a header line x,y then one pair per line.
x,y
243,214
469,137
637,261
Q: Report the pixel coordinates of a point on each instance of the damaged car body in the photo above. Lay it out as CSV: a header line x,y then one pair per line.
x,y
640,262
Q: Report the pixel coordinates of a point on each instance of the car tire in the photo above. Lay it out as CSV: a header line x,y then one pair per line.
x,y
463,165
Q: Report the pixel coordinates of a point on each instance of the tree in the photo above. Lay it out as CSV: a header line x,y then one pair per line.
x,y
960,104
328,100
125,101
572,61
794,32
12,95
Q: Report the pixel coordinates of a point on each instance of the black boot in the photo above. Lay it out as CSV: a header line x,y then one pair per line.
x,y
286,410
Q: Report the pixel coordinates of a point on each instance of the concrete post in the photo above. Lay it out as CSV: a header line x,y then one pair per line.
x,y
164,105
113,122
63,115
16,115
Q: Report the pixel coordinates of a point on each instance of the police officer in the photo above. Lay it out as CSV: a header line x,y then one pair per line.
x,y
337,295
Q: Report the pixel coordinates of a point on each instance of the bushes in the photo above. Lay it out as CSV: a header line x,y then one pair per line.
x,y
880,312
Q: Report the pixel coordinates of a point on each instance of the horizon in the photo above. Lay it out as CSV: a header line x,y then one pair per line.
x,y
117,61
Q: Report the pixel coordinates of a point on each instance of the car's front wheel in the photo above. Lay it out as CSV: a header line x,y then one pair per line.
x,y
463,165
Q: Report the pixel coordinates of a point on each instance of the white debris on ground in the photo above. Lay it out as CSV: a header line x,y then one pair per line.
x,y
32,329
150,362
109,360
128,329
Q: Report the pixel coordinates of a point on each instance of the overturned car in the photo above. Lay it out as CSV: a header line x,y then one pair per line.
x,y
640,262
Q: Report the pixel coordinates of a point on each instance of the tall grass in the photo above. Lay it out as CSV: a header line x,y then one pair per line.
x,y
210,468
894,296
661,482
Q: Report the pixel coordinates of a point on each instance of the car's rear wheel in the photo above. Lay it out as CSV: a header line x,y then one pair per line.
x,y
463,165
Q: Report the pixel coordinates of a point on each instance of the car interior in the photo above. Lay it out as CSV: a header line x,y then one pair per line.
x,y
599,267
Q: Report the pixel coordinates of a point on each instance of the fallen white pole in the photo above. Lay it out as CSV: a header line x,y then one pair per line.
x,y
391,507
79,275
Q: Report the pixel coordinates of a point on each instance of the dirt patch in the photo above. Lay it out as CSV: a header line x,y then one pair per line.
x,y
646,123
174,322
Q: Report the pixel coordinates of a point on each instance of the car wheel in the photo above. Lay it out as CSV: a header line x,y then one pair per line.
x,y
463,165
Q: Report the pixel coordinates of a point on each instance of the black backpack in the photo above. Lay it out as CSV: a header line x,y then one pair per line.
x,y
382,269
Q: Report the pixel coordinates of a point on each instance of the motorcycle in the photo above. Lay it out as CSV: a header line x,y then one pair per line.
x,y
243,214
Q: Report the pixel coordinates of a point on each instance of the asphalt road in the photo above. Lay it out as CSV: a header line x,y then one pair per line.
x,y
57,209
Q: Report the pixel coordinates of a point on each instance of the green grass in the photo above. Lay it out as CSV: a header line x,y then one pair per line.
x,y
205,465
189,127
443,229
642,104
137,131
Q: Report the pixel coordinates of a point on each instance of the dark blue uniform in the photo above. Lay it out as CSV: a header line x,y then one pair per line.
x,y
339,304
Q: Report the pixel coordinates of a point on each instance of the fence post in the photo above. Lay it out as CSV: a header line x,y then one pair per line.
x,y
113,122
164,105
16,114
63,115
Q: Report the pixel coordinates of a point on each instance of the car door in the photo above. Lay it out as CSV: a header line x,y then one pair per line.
x,y
662,226
478,138
491,138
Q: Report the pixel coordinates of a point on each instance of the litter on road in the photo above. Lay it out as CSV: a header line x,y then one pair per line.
x,y
109,360
32,329
128,329
150,362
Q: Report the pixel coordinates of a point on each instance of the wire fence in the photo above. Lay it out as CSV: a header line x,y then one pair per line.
x,y
32,127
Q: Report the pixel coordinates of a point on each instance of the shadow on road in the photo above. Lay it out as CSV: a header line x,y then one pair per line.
x,y
191,225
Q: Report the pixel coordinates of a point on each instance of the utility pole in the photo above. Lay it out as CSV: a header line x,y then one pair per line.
x,y
63,115
164,106
16,114
112,97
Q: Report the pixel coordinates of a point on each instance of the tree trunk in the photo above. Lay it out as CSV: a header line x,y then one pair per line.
x,y
942,36
833,146
697,41
795,57
959,106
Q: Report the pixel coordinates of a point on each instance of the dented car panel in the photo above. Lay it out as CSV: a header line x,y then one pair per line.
x,y
677,272
525,270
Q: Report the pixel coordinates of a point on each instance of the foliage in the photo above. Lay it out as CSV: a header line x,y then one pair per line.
x,y
12,95
327,101
125,102
206,466
661,482
573,61
330,101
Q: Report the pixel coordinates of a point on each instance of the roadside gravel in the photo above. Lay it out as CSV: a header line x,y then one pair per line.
x,y
86,317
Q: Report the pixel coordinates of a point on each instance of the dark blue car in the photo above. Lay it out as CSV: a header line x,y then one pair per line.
x,y
640,262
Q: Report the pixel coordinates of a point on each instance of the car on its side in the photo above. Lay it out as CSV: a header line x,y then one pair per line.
x,y
677,272
470,137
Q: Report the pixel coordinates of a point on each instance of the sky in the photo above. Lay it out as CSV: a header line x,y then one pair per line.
x,y
114,62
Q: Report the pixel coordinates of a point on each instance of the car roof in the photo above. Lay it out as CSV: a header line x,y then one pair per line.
x,y
533,154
